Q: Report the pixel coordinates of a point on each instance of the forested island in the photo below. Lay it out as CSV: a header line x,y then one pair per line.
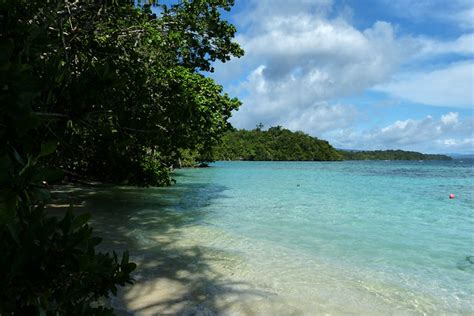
x,y
391,155
276,143
280,144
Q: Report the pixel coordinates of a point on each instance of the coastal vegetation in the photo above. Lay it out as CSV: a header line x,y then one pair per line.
x,y
390,155
276,143
95,90
279,144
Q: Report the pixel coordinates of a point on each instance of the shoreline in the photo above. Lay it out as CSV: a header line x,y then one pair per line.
x,y
204,279
191,262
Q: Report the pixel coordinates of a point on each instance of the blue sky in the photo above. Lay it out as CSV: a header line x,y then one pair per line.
x,y
361,74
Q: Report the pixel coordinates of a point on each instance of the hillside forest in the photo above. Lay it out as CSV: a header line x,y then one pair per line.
x,y
280,144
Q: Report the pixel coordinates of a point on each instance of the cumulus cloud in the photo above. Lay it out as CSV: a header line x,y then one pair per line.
x,y
304,56
297,56
338,58
320,118
450,118
301,61
428,134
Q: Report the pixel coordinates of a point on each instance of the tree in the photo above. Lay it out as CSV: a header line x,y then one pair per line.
x,y
104,90
124,86
276,143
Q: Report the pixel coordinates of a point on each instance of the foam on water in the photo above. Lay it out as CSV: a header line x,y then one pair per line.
x,y
296,237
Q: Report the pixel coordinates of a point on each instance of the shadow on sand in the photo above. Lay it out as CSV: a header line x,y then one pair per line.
x,y
172,277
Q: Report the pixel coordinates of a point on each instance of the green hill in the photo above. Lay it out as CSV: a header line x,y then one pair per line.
x,y
280,144
276,143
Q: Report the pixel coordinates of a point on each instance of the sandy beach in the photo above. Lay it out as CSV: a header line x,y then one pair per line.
x,y
189,266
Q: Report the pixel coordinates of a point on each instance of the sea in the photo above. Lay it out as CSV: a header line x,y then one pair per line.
x,y
296,238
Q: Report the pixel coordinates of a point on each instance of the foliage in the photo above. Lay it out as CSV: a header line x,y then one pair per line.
x,y
124,86
390,155
48,265
276,143
103,90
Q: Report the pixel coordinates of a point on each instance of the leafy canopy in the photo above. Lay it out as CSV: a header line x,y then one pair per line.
x,y
123,88
99,90
276,143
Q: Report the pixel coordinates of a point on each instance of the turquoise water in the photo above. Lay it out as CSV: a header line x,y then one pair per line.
x,y
370,237
392,221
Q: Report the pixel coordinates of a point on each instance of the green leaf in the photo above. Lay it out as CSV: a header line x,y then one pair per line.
x,y
125,258
29,168
18,157
13,229
65,222
48,148
130,267
80,220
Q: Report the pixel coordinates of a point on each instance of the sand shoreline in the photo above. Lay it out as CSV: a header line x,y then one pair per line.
x,y
187,267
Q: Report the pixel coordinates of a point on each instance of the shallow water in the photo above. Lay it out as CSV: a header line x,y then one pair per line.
x,y
297,238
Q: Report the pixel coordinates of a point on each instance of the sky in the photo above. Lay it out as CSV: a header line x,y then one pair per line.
x,y
362,74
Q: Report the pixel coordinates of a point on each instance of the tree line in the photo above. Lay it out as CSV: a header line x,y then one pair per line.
x,y
276,143
391,155
280,144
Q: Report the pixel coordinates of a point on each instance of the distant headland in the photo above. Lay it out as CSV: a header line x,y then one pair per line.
x,y
280,144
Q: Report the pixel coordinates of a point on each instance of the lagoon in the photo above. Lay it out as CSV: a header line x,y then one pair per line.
x,y
279,238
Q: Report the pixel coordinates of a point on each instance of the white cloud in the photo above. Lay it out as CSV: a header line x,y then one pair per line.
x,y
300,62
451,86
428,134
429,47
451,144
302,57
291,103
341,59
450,119
407,132
261,12
296,56
320,118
